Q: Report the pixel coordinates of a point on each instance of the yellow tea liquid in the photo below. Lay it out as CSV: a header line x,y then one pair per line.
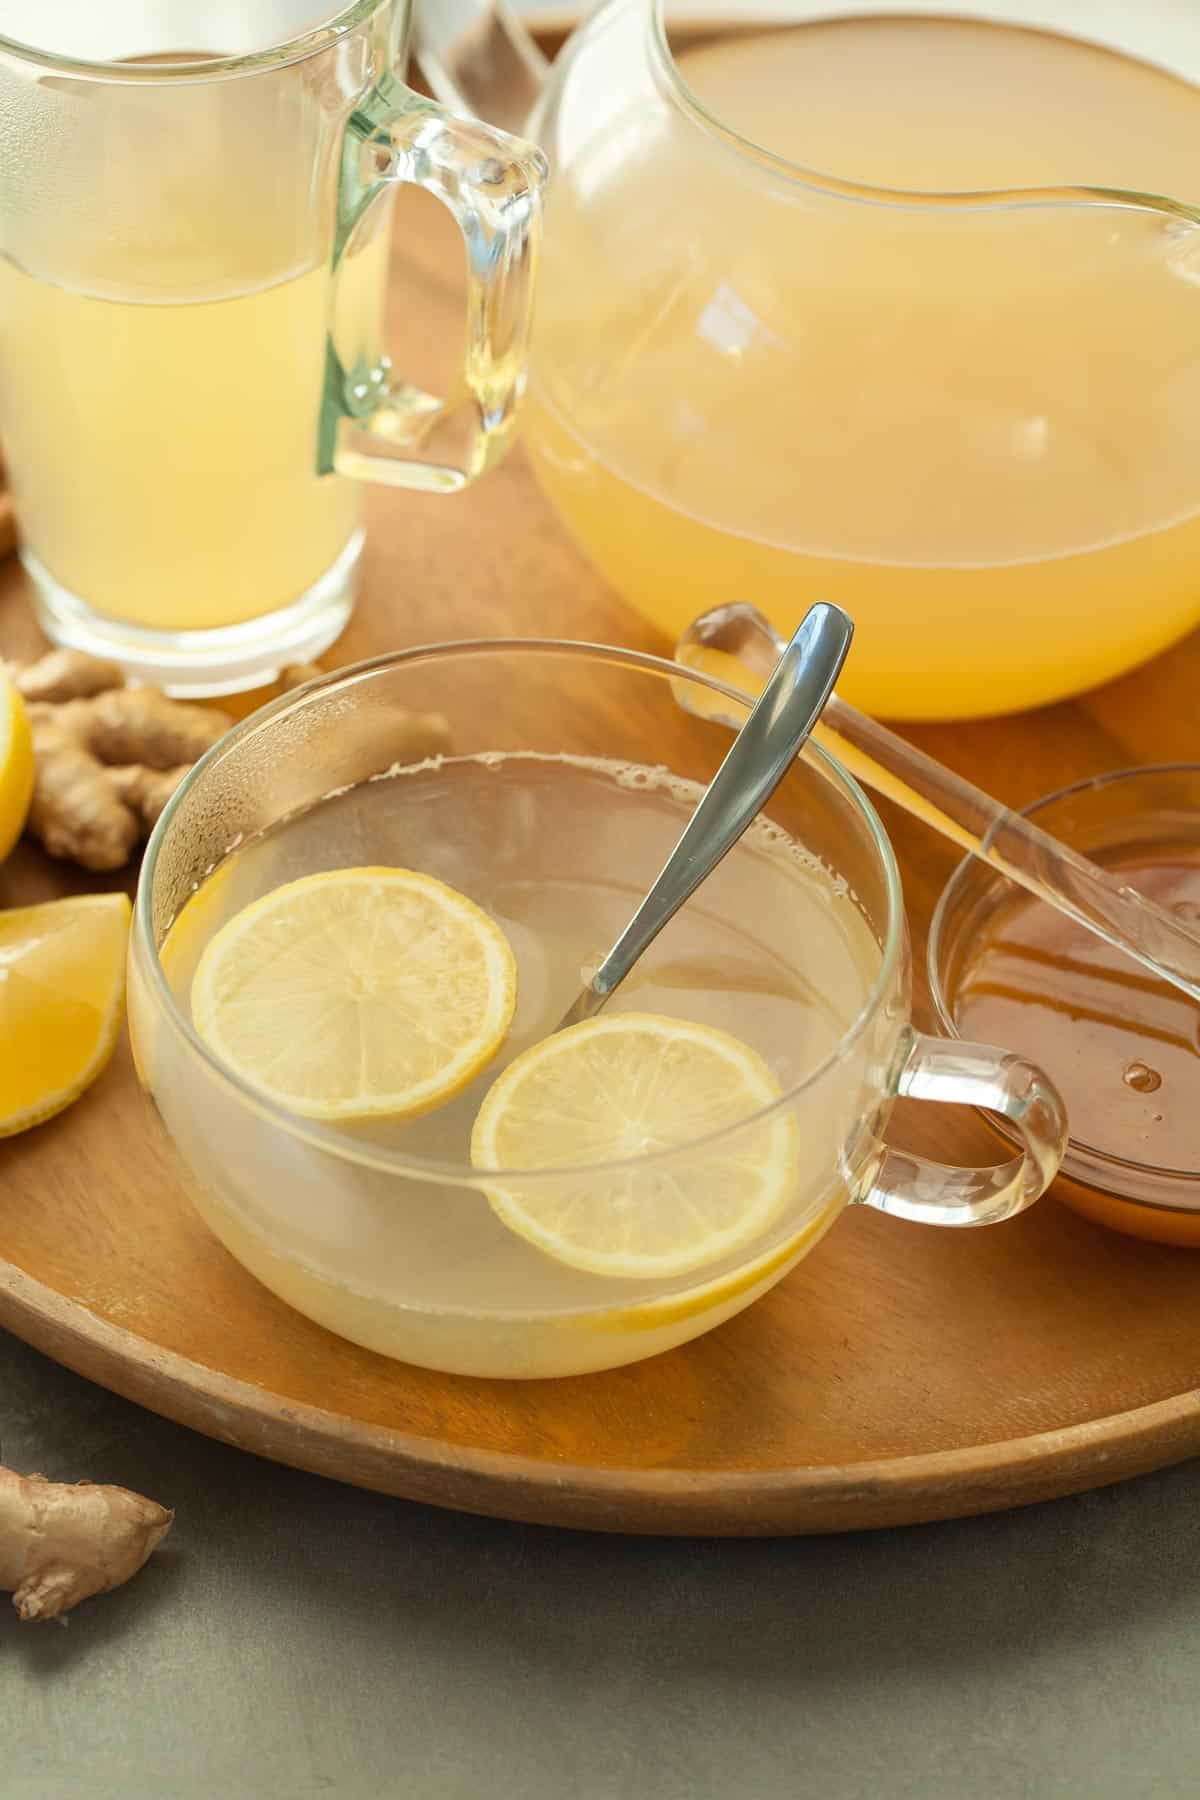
x,y
557,850
980,433
164,454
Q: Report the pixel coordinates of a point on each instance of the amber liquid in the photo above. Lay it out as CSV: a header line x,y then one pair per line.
x,y
1123,1047
978,433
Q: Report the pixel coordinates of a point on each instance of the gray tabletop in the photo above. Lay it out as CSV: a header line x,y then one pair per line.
x,y
297,1638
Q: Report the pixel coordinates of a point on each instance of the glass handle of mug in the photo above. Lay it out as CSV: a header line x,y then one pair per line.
x,y
999,1081
375,425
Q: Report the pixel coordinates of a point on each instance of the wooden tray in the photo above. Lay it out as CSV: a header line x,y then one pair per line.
x,y
899,1374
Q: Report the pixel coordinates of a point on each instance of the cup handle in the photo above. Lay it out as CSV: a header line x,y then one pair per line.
x,y
999,1081
381,428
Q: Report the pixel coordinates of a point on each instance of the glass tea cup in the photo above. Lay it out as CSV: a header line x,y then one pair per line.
x,y
195,212
548,786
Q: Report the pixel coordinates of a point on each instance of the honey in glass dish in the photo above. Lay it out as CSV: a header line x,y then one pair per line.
x,y
1123,1047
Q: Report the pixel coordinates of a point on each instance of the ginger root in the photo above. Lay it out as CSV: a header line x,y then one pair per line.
x,y
108,756
67,675
298,675
75,812
62,1543
141,727
146,791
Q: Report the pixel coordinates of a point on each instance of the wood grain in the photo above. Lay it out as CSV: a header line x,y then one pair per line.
x,y
8,520
899,1374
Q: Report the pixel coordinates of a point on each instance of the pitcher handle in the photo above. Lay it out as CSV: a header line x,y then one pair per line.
x,y
380,428
479,59
999,1081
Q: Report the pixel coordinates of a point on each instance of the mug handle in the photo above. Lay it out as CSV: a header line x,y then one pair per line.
x,y
379,428
999,1081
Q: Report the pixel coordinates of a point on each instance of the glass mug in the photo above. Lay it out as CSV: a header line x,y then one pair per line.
x,y
195,209
550,805
818,319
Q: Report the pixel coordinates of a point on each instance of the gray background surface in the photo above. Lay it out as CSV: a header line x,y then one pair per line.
x,y
295,1638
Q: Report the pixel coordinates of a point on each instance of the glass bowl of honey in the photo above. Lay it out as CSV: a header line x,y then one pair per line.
x,y
1123,1047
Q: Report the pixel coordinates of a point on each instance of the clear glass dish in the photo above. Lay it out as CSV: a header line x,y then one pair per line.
x,y
1146,821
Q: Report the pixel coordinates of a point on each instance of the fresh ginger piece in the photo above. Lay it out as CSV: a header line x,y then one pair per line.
x,y
76,813
142,725
146,791
108,757
298,675
68,675
61,1543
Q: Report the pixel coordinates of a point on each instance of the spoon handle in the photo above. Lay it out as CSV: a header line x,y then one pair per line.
x,y
969,817
760,756
1017,848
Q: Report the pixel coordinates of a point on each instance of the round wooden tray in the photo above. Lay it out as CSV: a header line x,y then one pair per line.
x,y
899,1374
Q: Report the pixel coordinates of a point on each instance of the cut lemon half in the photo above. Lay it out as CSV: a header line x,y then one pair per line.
x,y
62,985
16,765
617,1090
357,994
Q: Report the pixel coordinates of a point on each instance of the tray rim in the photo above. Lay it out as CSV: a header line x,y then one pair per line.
x,y
798,1500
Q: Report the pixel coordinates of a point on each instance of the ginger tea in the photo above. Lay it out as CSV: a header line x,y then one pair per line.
x,y
167,296
978,431
166,452
774,950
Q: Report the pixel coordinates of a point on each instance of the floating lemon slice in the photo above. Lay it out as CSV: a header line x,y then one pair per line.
x,y
62,983
357,994
16,765
623,1087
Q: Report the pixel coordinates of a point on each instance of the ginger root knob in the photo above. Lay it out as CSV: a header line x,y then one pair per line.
x,y
62,1543
76,813
141,725
108,757
67,675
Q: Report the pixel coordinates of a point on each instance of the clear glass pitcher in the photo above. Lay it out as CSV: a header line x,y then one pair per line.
x,y
194,232
827,313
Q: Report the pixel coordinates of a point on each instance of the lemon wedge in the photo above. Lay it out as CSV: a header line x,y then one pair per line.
x,y
357,994
16,765
623,1087
62,984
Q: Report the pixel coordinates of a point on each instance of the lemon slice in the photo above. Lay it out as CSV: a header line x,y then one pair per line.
x,y
623,1087
62,983
16,765
357,994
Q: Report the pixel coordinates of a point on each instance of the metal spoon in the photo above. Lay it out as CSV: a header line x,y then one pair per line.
x,y
761,754
737,641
